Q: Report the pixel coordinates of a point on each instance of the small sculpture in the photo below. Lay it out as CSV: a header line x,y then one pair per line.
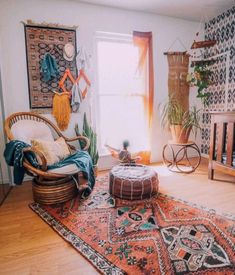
x,y
123,155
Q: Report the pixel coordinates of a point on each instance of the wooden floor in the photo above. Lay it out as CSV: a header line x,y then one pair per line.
x,y
29,246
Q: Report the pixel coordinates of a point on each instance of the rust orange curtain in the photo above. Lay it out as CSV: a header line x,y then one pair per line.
x,y
143,40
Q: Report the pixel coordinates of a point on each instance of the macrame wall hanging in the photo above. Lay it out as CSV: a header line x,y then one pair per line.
x,y
179,79
178,87
61,110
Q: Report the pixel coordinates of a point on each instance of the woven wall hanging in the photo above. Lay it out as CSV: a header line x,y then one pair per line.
x,y
42,39
178,63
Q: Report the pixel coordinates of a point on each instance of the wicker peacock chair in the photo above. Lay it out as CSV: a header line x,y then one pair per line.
x,y
49,186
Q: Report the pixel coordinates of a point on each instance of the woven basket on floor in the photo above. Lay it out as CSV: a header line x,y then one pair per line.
x,y
54,191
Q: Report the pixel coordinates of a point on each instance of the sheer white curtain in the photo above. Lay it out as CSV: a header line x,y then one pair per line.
x,y
121,96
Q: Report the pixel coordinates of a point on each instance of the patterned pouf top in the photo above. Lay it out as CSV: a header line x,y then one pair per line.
x,y
133,172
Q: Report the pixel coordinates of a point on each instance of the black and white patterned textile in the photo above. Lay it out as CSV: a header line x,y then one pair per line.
x,y
222,91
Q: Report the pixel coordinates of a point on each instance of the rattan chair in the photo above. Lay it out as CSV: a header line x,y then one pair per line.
x,y
48,187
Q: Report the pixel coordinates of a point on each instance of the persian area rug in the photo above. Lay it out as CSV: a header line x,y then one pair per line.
x,y
158,236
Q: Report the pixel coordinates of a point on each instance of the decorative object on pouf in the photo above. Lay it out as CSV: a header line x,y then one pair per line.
x,y
178,70
133,182
92,136
124,156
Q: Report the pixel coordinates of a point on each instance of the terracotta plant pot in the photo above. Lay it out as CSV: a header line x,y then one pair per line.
x,y
180,134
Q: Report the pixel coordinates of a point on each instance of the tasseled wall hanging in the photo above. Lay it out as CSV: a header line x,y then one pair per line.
x,y
178,63
61,110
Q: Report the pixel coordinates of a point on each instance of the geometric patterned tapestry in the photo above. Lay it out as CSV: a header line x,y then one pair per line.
x,y
39,41
222,90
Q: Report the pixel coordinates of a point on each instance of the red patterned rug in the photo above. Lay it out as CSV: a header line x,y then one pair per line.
x,y
158,236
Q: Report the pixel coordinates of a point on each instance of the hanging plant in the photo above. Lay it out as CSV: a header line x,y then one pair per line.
x,y
200,77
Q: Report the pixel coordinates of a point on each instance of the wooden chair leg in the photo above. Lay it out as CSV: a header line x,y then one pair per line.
x,y
210,172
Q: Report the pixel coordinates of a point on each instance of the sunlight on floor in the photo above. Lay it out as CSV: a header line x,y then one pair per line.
x,y
162,171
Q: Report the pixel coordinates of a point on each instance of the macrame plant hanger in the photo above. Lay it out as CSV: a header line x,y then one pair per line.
x,y
173,43
199,57
203,43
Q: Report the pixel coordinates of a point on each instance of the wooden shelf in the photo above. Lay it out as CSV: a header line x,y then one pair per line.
x,y
203,44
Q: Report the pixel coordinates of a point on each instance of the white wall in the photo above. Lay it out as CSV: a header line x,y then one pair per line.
x,y
3,167
90,18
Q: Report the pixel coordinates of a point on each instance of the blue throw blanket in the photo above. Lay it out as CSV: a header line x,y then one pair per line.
x,y
14,156
83,161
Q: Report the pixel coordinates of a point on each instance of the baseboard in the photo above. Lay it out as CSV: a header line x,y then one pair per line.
x,y
6,181
27,178
205,156
6,195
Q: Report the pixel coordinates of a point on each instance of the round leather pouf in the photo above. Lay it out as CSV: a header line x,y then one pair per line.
x,y
133,182
54,191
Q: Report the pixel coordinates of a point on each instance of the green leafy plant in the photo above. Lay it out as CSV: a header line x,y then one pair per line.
x,y
192,120
200,77
92,136
172,113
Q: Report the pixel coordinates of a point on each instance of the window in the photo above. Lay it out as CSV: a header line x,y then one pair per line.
x,y
121,95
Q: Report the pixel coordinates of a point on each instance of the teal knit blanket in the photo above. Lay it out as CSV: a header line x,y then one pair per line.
x,y
14,156
83,161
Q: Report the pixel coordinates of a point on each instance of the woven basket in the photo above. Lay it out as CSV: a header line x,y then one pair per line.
x,y
54,191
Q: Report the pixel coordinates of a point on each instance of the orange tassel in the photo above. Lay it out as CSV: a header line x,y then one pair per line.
x,y
61,110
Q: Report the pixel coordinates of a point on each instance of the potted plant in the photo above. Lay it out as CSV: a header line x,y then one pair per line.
x,y
200,77
192,120
92,136
179,121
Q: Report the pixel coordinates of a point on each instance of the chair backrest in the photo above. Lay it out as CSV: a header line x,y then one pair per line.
x,y
25,126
